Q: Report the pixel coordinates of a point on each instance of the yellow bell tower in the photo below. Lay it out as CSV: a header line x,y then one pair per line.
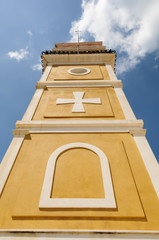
x,y
79,165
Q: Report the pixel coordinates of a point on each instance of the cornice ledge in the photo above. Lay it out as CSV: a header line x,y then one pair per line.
x,y
134,127
69,83
85,58
20,132
82,231
133,124
138,132
27,131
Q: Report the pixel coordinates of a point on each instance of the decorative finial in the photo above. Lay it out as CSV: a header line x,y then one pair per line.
x,y
78,33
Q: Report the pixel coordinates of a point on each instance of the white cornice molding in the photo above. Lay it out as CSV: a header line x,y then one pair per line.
x,y
84,231
79,59
17,132
73,234
77,234
133,127
120,233
80,123
138,132
75,64
21,132
80,83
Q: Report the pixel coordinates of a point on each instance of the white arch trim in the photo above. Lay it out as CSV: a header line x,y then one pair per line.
x,y
47,202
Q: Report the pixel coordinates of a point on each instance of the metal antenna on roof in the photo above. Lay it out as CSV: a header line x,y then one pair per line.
x,y
78,32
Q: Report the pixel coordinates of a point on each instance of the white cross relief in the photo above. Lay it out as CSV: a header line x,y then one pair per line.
x,y
78,101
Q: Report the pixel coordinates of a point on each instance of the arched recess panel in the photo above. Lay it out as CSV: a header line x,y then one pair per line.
x,y
108,201
78,174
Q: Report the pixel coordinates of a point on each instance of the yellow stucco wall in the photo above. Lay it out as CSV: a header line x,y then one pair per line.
x,y
78,169
108,109
97,72
137,202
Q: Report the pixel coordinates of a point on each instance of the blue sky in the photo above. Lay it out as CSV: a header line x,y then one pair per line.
x,y
29,27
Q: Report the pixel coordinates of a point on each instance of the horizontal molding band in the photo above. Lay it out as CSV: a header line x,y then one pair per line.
x,y
132,126
80,123
75,63
82,231
81,83
134,132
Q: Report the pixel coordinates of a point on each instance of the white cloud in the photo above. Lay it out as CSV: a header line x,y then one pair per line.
x,y
29,33
37,67
157,57
156,66
130,27
18,55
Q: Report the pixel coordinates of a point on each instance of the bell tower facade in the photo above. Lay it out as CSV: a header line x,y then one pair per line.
x,y
79,165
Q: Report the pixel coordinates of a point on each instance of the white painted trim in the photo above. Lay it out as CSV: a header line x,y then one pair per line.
x,y
80,83
78,130
134,127
86,71
127,124
150,161
83,231
9,159
36,98
73,63
33,105
79,59
55,127
50,234
21,132
45,74
47,202
111,72
78,101
124,104
65,126
138,132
